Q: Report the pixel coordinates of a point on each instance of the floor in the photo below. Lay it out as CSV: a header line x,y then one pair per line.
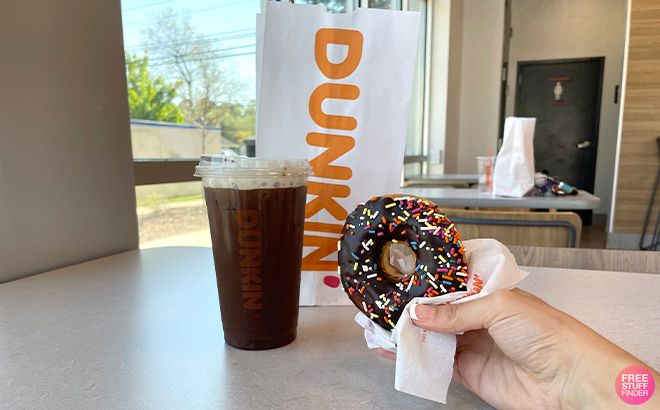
x,y
595,236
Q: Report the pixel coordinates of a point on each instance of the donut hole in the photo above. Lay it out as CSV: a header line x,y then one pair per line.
x,y
398,261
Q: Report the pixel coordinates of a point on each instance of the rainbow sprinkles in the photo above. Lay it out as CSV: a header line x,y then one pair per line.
x,y
440,266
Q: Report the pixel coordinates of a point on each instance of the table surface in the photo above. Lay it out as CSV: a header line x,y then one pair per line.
x,y
470,197
431,178
142,330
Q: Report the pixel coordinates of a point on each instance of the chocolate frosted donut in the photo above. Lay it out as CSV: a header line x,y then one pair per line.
x,y
396,248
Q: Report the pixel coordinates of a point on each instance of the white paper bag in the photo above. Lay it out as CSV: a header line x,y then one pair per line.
x,y
513,174
335,89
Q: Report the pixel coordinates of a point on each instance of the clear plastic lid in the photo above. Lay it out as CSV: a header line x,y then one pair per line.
x,y
223,171
233,166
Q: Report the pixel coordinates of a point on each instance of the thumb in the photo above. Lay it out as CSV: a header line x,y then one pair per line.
x,y
463,317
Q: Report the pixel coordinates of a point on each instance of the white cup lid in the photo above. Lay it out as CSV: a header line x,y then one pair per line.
x,y
225,165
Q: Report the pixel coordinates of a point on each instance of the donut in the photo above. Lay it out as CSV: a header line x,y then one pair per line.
x,y
395,248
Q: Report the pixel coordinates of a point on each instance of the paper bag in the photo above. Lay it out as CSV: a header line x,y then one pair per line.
x,y
513,174
335,89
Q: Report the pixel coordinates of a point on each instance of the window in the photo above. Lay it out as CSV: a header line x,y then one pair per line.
x,y
191,73
190,66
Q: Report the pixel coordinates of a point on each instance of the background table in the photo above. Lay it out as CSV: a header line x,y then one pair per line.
x,y
141,330
469,179
471,198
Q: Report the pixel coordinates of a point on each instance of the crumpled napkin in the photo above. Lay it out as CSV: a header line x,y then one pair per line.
x,y
425,360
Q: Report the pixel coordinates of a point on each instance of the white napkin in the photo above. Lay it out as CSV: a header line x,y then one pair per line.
x,y
425,360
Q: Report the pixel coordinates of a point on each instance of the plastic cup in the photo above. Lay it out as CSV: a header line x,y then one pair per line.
x,y
485,166
256,213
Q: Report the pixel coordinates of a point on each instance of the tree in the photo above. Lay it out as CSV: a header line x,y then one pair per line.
x,y
333,6
238,121
149,98
192,60
381,4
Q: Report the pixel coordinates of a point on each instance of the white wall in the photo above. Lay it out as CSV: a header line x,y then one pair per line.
x,y
473,85
561,29
67,190
151,139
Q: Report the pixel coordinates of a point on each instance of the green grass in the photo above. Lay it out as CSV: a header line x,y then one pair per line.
x,y
185,198
155,198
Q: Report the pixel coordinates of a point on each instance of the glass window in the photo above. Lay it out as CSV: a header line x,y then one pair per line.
x,y
333,6
172,215
415,136
385,4
190,67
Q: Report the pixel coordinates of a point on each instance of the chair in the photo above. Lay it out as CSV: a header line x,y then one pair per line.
x,y
546,229
591,259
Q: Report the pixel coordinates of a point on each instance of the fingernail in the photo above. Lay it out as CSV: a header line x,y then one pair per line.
x,y
421,313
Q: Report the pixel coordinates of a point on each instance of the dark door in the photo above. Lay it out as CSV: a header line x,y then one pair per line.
x,y
564,97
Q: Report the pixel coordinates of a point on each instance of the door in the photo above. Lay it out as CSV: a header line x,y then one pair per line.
x,y
564,97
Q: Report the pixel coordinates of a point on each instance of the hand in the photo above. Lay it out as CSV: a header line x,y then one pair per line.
x,y
518,352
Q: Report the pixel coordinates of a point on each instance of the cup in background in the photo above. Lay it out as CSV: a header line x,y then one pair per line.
x,y
485,166
256,211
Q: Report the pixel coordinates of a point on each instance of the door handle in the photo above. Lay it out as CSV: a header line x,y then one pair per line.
x,y
584,144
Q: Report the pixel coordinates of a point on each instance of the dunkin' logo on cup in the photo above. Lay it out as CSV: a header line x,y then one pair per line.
x,y
336,147
250,240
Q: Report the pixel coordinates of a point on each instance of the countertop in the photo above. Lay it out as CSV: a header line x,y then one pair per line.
x,y
142,330
470,197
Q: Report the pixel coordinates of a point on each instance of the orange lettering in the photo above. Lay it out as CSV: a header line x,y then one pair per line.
x,y
321,227
248,219
251,275
251,303
337,145
326,246
325,200
338,91
252,218
243,239
251,257
351,38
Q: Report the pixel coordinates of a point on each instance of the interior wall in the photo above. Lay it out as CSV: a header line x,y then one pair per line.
x,y
638,160
474,84
67,189
563,29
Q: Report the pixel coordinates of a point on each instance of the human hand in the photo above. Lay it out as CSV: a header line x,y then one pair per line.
x,y
518,352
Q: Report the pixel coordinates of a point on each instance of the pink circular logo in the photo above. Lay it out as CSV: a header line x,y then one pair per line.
x,y
635,385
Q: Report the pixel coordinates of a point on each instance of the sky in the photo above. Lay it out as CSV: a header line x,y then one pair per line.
x,y
229,23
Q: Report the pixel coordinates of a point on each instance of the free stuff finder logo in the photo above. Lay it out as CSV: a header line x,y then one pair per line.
x,y
635,385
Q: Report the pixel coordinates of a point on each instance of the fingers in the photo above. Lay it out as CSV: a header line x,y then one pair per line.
x,y
462,317
386,354
527,295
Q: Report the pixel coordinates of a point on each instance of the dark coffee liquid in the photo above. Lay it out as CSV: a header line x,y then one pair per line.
x,y
257,239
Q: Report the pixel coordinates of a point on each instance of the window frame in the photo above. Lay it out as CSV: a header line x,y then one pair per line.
x,y
161,171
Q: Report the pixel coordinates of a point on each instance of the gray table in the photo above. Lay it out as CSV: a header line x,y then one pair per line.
x,y
141,330
471,198
469,179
